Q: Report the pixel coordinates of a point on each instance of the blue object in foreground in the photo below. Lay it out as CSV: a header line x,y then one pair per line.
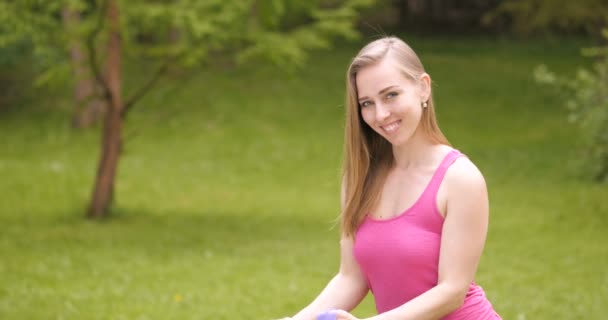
x,y
327,315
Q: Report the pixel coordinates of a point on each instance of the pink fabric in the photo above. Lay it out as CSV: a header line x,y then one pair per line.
x,y
400,256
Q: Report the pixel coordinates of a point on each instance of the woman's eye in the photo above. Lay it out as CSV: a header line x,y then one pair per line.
x,y
391,95
365,103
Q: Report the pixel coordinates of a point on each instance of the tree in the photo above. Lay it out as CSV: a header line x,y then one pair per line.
x,y
89,107
186,32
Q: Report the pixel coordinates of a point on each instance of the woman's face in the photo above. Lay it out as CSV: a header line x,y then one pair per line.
x,y
390,103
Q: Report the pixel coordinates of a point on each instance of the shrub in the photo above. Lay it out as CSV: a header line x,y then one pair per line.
x,y
586,97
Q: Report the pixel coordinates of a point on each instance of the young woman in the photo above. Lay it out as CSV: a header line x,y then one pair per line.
x,y
414,210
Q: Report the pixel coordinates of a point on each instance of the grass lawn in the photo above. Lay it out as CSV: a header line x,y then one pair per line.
x,y
227,193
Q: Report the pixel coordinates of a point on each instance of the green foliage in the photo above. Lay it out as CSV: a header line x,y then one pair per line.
x,y
243,30
16,67
287,48
38,21
586,97
190,32
271,12
552,15
40,25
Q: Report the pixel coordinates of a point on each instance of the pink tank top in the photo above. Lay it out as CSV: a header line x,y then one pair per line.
x,y
400,256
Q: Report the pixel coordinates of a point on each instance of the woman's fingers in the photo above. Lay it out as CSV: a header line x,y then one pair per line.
x,y
343,315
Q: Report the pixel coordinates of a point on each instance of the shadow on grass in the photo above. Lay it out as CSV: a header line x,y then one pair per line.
x,y
133,230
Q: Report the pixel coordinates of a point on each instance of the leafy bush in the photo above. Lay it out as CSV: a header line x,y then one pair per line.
x,y
586,97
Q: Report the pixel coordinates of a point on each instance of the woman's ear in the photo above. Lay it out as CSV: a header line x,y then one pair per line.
x,y
425,86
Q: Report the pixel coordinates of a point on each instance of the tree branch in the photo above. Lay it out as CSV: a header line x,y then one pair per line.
x,y
93,52
146,87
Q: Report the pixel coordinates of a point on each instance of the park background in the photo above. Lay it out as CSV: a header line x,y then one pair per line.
x,y
227,190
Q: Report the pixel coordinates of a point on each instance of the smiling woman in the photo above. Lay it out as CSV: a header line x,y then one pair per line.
x,y
392,108
414,210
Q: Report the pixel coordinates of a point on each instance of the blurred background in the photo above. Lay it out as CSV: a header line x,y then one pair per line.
x,y
181,159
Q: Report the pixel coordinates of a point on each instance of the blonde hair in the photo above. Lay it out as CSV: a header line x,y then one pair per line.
x,y
367,155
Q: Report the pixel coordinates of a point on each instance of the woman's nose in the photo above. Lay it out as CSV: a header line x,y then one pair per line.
x,y
381,111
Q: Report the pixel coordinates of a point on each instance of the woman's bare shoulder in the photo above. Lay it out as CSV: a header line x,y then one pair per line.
x,y
463,174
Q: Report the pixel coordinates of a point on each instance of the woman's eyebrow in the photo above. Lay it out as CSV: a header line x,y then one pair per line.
x,y
380,92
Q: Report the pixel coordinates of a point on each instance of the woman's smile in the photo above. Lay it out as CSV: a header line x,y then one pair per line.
x,y
391,127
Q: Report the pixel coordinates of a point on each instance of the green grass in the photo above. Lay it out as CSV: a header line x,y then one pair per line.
x,y
228,192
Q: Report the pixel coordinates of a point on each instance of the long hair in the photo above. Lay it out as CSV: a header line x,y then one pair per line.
x,y
367,155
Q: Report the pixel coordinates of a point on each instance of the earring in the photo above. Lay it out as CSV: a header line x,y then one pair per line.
x,y
425,104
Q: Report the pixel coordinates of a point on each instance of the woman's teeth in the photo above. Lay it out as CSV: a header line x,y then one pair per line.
x,y
392,126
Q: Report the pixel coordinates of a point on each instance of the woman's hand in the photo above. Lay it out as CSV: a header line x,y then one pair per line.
x,y
339,315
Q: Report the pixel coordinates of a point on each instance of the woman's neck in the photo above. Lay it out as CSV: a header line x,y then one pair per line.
x,y
419,151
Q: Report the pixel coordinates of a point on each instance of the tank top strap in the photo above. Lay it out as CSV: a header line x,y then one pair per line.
x,y
439,174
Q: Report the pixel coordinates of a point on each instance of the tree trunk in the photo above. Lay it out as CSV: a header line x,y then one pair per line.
x,y
89,107
112,132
